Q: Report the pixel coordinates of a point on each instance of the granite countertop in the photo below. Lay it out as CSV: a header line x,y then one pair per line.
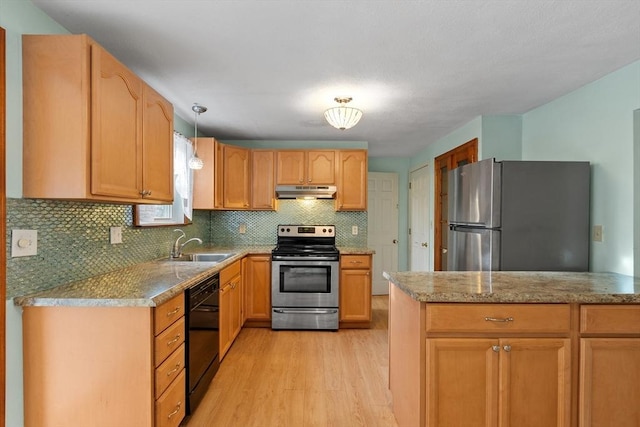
x,y
355,251
517,287
144,285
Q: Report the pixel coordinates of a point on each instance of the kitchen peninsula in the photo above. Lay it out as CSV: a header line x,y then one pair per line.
x,y
514,348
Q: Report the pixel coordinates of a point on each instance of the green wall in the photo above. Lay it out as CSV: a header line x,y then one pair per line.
x,y
595,123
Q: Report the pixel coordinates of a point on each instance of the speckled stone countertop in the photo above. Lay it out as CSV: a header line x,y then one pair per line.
x,y
517,287
355,251
144,285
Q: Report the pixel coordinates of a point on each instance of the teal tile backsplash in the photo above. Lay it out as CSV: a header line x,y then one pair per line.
x,y
261,226
73,241
73,237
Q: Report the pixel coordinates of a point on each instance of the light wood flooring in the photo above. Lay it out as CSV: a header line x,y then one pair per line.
x,y
303,378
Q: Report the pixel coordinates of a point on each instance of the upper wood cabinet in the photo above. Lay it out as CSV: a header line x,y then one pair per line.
x,y
308,167
236,177
93,130
263,179
352,180
207,182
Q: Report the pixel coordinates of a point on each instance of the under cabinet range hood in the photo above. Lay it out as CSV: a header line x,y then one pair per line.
x,y
306,191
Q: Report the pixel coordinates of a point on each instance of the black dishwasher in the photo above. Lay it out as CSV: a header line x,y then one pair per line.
x,y
202,338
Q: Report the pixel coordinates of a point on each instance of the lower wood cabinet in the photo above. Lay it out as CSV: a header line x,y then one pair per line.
x,y
104,366
472,364
506,382
609,365
256,275
231,317
355,291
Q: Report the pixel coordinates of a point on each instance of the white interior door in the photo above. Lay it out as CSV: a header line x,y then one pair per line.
x,y
382,228
420,221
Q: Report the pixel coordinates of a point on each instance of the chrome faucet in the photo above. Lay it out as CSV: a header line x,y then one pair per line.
x,y
176,252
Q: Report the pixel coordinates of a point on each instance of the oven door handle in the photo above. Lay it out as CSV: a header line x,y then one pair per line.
x,y
283,311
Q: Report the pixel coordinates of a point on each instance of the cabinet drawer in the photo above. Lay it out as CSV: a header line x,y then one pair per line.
x,y
169,370
610,319
230,272
170,407
167,313
517,318
168,341
355,261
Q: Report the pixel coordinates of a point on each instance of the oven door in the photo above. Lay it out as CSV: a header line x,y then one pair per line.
x,y
302,283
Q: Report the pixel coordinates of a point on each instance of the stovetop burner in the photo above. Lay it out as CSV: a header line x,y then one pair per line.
x,y
306,241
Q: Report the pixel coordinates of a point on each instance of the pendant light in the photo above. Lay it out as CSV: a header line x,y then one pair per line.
x,y
343,117
195,162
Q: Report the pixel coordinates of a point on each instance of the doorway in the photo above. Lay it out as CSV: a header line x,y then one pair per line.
x,y
419,220
382,227
459,156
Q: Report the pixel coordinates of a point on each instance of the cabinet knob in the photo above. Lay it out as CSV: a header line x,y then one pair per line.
x,y
145,193
495,348
506,348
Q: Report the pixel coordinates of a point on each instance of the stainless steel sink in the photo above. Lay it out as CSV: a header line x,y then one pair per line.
x,y
205,257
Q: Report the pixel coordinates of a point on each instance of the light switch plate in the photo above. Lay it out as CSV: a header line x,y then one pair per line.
x,y
24,243
115,235
354,230
597,233
242,229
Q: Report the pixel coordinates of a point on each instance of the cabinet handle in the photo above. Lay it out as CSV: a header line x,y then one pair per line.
x,y
496,319
174,370
176,410
495,348
507,348
355,262
144,193
172,312
177,337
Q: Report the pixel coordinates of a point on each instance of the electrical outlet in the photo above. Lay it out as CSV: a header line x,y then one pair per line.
x,y
597,233
115,235
354,230
242,228
24,243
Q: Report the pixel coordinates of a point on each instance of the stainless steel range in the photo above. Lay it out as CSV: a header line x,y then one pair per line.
x,y
305,278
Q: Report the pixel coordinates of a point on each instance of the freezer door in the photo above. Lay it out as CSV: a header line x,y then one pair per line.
x,y
473,249
474,194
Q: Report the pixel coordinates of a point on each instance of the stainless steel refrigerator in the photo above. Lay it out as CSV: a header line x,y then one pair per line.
x,y
519,216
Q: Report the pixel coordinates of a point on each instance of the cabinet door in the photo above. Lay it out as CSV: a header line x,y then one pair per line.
x,y
355,295
235,323
225,319
157,147
263,179
462,382
321,167
535,382
352,180
208,181
236,177
257,288
610,382
116,127
290,167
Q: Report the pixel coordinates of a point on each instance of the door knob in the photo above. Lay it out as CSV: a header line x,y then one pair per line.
x,y
395,241
444,250
424,244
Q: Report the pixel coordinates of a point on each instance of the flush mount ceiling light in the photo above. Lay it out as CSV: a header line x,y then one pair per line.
x,y
343,117
195,162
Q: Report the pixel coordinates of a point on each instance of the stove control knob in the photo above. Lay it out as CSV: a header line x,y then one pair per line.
x,y
288,230
329,230
324,230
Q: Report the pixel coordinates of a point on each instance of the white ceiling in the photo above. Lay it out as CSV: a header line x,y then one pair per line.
x,y
267,69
